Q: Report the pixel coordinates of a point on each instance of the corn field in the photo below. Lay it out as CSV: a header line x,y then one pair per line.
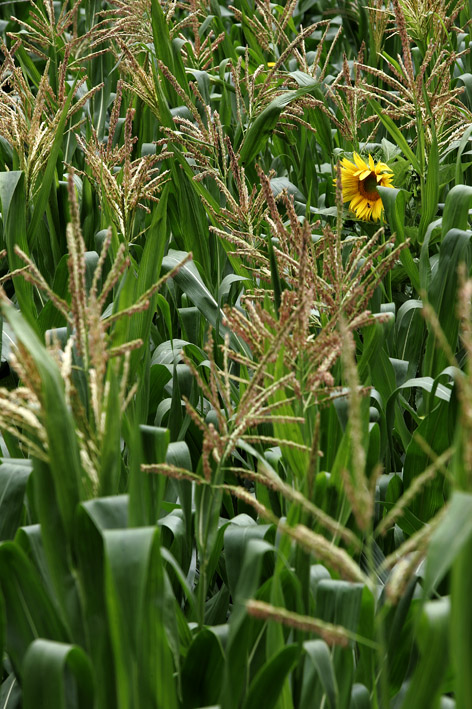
x,y
235,377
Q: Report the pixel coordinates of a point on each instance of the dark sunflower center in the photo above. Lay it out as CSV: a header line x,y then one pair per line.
x,y
368,188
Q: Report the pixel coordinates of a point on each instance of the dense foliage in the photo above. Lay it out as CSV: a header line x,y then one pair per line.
x,y
235,417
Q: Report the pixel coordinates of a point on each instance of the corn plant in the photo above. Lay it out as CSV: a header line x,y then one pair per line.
x,y
235,380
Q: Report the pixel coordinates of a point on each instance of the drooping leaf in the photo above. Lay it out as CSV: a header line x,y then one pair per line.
x,y
266,687
14,475
30,614
201,681
53,672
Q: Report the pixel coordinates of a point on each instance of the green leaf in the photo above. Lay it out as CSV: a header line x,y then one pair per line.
x,y
42,195
3,632
58,484
201,681
430,194
30,613
320,656
14,475
373,339
297,458
339,602
50,318
456,209
394,202
149,270
29,539
432,637
398,137
274,272
455,249
459,173
382,374
451,536
137,607
64,455
425,267
263,125
266,686
160,34
461,623
237,536
13,199
164,50
190,282
398,624
189,221
10,693
93,517
437,429
146,489
108,512
55,675
207,511
242,627
110,450
360,697
409,334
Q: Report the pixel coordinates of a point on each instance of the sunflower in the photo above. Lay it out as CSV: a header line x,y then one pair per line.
x,y
359,183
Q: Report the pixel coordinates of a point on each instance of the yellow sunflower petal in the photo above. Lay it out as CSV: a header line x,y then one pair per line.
x,y
382,167
386,180
347,164
349,180
361,164
357,199
348,196
377,210
362,212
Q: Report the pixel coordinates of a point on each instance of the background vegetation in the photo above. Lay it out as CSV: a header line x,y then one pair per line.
x,y
235,420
